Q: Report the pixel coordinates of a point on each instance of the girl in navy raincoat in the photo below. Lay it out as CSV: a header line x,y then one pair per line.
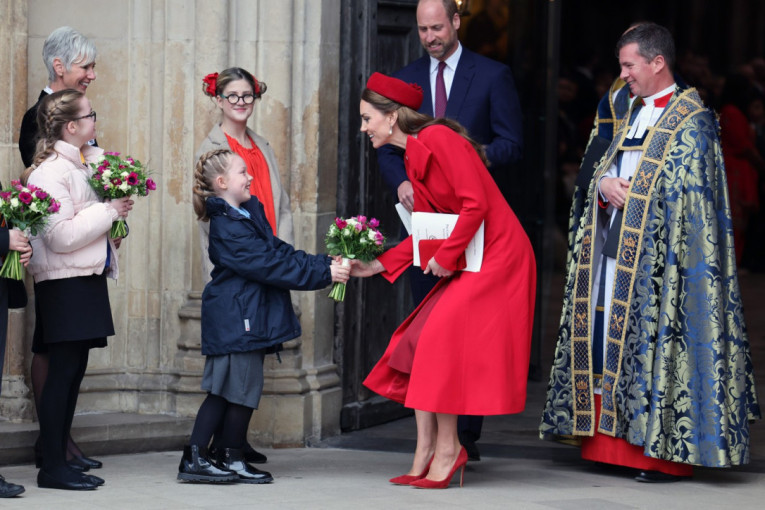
x,y
246,313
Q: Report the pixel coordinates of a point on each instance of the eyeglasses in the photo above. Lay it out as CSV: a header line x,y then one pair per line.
x,y
233,98
91,114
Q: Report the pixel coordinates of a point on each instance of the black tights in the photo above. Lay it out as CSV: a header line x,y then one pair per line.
x,y
40,363
68,361
228,419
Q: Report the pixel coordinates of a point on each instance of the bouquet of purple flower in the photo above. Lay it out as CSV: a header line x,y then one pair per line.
x,y
27,208
353,238
114,177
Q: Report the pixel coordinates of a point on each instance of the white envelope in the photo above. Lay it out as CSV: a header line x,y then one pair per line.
x,y
440,226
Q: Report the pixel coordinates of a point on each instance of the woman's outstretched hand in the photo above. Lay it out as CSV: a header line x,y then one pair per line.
x,y
366,269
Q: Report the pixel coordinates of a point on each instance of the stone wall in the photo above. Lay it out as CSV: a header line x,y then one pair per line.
x,y
148,95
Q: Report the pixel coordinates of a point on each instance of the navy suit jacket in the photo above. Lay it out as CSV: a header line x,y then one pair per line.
x,y
482,98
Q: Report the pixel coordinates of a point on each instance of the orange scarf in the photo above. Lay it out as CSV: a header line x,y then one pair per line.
x,y
261,179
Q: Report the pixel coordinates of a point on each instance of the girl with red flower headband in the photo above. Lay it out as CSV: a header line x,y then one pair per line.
x,y
235,92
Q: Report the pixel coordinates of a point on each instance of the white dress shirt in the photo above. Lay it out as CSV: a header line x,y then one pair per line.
x,y
449,70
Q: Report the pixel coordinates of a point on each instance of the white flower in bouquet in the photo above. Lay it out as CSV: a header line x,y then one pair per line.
x,y
353,238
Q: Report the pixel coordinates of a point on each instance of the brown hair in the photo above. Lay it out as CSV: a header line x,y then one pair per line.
x,y
652,40
210,165
450,7
237,73
411,122
54,113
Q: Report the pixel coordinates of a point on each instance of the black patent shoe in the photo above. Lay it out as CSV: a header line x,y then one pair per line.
x,y
195,466
251,455
95,480
87,461
233,460
8,489
657,477
77,465
48,481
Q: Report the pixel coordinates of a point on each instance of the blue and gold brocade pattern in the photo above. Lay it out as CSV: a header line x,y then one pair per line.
x,y
677,379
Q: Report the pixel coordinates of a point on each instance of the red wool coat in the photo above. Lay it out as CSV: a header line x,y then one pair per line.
x,y
465,349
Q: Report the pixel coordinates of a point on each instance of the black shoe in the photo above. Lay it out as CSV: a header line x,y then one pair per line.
x,y
77,464
471,449
8,489
233,460
95,480
87,461
48,481
657,477
250,455
195,466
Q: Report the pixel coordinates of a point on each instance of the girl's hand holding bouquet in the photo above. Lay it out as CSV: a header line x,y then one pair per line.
x,y
340,271
353,238
116,178
27,208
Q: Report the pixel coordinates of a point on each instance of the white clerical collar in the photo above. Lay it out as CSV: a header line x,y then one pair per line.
x,y
451,62
48,90
653,106
648,101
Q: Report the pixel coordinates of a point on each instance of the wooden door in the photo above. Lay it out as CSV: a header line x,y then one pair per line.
x,y
378,35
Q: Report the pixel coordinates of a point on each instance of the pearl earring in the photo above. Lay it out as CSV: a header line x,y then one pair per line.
x,y
390,130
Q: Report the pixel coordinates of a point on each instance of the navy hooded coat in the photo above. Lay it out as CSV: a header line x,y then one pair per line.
x,y
247,306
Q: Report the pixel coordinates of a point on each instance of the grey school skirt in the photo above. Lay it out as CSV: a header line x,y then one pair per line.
x,y
236,377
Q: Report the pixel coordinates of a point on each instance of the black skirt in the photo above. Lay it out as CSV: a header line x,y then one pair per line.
x,y
72,309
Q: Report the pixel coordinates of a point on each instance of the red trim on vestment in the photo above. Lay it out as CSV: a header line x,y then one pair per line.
x,y
616,451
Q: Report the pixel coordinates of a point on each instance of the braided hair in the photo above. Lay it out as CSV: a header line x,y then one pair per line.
x,y
210,165
54,113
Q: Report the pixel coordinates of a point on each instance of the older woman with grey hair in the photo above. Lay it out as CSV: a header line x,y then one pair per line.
x,y
70,58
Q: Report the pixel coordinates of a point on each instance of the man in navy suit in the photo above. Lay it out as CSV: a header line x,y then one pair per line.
x,y
480,95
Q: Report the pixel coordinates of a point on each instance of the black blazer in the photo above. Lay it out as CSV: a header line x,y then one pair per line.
x,y
28,133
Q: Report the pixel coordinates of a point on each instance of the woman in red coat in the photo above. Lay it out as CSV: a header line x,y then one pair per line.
x,y
465,349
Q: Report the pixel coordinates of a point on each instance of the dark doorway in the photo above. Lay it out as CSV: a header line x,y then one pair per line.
x,y
376,36
380,35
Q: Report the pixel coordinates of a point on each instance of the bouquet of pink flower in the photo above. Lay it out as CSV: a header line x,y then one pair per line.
x,y
115,177
353,238
27,208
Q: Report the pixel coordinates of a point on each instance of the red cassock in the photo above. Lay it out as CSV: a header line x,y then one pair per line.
x,y
465,349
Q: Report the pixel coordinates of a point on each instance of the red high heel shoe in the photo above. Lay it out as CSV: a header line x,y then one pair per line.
x,y
424,483
407,479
